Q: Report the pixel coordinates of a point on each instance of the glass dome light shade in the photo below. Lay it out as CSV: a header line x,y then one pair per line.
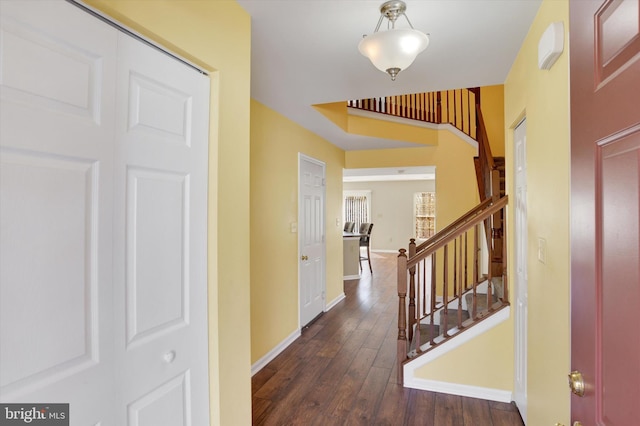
x,y
395,48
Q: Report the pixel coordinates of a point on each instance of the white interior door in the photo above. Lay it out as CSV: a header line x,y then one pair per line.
x,y
160,238
103,201
56,163
521,286
311,238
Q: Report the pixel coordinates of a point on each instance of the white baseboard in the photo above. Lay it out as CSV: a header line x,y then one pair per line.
x,y
334,302
259,365
351,277
499,395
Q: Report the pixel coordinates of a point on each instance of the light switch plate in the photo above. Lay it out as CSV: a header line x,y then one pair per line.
x,y
542,250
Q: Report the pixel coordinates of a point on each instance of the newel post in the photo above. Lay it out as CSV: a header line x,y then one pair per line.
x,y
402,313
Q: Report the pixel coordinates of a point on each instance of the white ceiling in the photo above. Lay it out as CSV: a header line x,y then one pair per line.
x,y
305,52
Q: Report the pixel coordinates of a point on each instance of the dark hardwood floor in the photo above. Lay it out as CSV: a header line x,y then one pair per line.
x,y
342,370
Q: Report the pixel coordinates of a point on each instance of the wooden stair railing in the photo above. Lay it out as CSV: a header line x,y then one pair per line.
x,y
441,265
455,107
448,265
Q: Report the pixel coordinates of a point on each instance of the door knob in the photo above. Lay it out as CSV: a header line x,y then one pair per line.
x,y
169,357
304,257
576,383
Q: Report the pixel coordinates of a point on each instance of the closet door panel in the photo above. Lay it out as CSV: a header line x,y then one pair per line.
x,y
160,260
57,109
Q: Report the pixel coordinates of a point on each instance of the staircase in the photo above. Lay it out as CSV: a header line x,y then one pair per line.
x,y
444,288
457,278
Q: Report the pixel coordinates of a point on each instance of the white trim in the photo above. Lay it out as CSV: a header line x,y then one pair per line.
x,y
351,277
385,251
520,279
335,301
475,331
270,356
416,123
491,394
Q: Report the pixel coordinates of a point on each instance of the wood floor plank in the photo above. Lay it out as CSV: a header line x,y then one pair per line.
x,y
379,331
506,418
475,412
421,409
320,395
387,354
505,406
367,401
345,393
299,388
273,388
260,378
310,332
393,405
259,410
448,410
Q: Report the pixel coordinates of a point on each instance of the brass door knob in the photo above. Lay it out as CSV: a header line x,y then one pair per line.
x,y
304,257
576,383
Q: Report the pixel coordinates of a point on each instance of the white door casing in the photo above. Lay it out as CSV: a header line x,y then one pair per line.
x,y
521,284
311,240
102,221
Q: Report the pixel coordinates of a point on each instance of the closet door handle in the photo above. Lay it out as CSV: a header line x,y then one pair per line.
x,y
169,357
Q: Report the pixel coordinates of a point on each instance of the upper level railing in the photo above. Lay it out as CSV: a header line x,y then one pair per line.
x,y
455,107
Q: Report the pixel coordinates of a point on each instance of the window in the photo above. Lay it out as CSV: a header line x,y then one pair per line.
x,y
425,214
357,207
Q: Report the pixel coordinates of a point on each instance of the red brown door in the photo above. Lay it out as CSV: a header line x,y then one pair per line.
x,y
605,204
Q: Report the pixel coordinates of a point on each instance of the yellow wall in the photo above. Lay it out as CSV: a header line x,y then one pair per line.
x,y
492,104
477,362
456,186
338,113
221,46
275,144
395,131
543,96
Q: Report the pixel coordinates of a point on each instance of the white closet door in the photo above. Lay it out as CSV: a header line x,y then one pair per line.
x,y
103,203
160,239
57,108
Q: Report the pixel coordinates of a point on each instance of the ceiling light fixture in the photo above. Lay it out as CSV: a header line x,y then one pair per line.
x,y
393,50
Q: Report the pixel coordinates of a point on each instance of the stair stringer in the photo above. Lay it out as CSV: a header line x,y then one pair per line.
x,y
461,389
